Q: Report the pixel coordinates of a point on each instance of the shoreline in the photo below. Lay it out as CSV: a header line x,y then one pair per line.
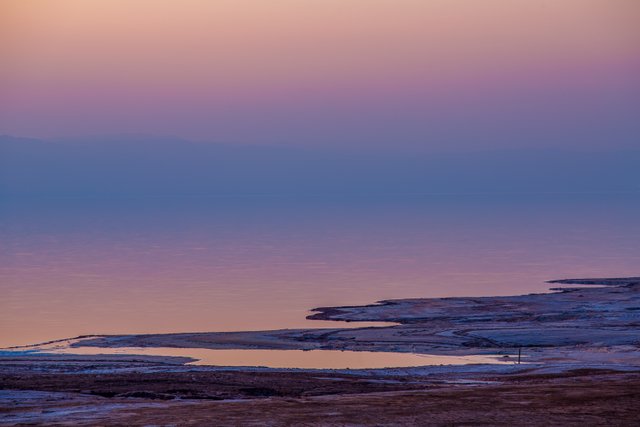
x,y
575,340
605,314
589,325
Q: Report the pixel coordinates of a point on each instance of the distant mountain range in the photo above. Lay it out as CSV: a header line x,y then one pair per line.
x,y
138,164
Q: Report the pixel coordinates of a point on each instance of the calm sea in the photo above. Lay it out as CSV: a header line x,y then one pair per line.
x,y
70,266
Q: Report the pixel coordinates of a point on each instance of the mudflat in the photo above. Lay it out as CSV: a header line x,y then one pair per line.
x,y
582,326
580,365
587,397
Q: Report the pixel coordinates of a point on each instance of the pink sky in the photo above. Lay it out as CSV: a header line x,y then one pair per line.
x,y
413,73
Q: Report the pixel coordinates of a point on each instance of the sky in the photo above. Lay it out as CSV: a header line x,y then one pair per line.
x,y
393,74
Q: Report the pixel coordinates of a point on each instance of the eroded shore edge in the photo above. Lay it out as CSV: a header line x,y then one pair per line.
x,y
576,340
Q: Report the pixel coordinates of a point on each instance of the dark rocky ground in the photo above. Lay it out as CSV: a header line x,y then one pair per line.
x,y
586,398
582,348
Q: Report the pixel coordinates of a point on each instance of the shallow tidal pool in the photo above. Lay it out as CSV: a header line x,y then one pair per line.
x,y
309,359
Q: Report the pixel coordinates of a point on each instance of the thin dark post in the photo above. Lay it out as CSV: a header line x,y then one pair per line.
x,y
519,354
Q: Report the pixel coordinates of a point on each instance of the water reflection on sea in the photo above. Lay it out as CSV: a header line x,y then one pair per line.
x,y
70,267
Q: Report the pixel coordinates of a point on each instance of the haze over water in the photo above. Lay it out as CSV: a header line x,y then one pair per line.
x,y
146,148
73,266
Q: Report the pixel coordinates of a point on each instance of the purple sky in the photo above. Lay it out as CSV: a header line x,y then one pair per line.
x,y
399,74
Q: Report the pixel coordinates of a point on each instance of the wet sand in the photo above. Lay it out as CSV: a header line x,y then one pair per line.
x,y
581,347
